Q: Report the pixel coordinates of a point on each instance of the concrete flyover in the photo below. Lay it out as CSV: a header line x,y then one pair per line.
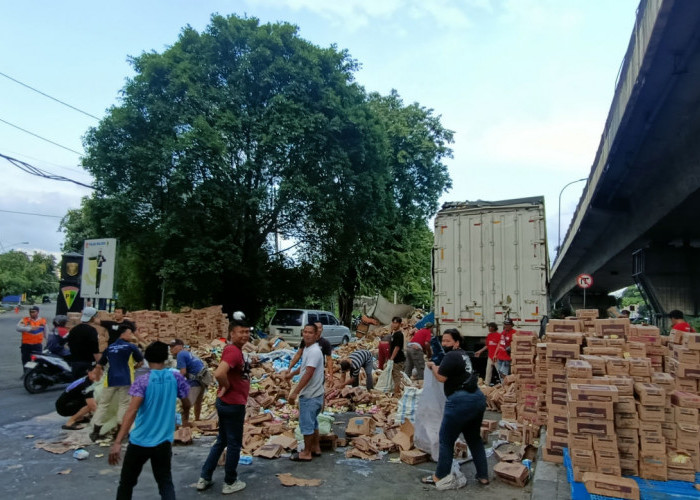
x,y
638,219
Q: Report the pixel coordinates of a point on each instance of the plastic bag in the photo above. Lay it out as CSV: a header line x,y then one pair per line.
x,y
385,383
407,404
454,480
324,427
428,416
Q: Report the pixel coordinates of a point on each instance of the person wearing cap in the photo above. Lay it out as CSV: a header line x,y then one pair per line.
x,y
198,377
123,358
678,321
233,376
33,329
83,344
503,350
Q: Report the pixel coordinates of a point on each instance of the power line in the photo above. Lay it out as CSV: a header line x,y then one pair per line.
x,y
31,213
45,162
40,137
50,97
31,169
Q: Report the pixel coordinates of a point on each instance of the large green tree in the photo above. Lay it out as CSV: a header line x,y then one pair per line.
x,y
243,135
31,274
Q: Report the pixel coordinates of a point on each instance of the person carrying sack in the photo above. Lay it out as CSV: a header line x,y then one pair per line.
x,y
464,411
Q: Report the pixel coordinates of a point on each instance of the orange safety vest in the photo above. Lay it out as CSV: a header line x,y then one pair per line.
x,y
36,335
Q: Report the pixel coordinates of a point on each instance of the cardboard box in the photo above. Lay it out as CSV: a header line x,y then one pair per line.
x,y
668,430
616,342
583,458
688,370
624,384
556,377
605,443
687,385
650,394
414,456
640,367
629,466
650,429
626,421
692,341
580,441
625,404
404,437
636,349
687,433
563,351
684,355
649,413
591,426
611,486
360,426
685,399
607,458
653,466
602,351
591,392
612,327
686,415
553,455
564,325
587,313
628,445
514,474
591,409
595,342
577,368
649,445
580,471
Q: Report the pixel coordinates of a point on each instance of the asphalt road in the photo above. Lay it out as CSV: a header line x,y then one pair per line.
x,y
27,472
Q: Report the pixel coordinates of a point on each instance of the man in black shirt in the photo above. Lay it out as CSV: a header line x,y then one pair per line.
x,y
396,354
77,401
119,320
83,344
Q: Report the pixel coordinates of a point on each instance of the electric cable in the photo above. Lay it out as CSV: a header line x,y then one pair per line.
x,y
31,169
40,137
50,97
31,213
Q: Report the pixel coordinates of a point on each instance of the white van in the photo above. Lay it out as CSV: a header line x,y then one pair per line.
x,y
289,323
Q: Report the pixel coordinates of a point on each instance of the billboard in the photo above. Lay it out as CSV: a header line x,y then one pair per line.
x,y
97,280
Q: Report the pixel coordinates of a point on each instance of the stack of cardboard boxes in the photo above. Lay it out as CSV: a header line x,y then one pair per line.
x,y
611,403
193,326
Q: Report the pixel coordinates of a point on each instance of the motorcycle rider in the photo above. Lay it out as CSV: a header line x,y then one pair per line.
x,y
33,329
56,341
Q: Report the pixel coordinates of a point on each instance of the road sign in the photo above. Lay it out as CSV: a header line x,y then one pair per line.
x,y
584,281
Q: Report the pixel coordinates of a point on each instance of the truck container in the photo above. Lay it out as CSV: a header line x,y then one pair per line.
x,y
490,263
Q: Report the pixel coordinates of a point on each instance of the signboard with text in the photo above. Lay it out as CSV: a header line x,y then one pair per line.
x,y
97,280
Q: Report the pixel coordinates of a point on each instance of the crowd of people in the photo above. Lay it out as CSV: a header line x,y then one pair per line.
x,y
146,403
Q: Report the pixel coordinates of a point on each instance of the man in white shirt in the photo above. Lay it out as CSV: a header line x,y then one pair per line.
x,y
311,394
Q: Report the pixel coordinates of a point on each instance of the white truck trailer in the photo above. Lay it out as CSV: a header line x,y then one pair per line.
x,y
490,262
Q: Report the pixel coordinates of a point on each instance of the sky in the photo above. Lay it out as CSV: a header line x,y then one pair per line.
x,y
526,86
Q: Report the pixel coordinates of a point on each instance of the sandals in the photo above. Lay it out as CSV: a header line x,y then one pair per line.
x,y
296,458
483,481
315,454
428,480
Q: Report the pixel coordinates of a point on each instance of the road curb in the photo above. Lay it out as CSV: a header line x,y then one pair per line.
x,y
545,483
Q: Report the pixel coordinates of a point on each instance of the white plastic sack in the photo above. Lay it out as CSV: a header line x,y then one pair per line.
x,y
428,416
454,480
385,383
408,404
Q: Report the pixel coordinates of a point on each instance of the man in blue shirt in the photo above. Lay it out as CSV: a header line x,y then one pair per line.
x,y
197,375
123,358
152,413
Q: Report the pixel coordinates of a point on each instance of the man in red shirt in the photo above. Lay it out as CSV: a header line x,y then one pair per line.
x,y
503,349
233,376
418,346
492,341
678,321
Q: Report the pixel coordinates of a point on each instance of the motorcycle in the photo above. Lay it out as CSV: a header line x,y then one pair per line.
x,y
45,370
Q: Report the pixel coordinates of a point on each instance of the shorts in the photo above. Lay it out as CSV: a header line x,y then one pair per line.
x,y
68,407
194,393
309,409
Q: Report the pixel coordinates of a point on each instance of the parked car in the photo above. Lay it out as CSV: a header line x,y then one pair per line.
x,y
289,323
46,299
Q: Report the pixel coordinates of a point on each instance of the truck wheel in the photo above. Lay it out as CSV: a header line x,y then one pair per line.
x,y
35,382
345,340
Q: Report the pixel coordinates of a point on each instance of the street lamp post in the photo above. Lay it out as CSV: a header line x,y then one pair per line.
x,y
559,225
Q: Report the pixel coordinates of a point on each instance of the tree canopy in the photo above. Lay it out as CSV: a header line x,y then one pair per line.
x,y
244,135
21,273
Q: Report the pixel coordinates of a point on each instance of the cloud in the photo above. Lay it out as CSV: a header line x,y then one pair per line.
x,y
358,14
